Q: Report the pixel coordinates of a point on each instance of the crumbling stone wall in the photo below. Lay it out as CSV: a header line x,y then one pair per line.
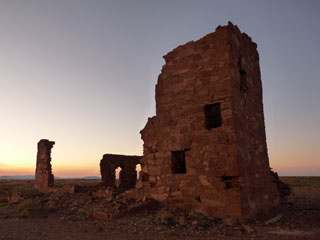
x,y
205,149
128,174
44,178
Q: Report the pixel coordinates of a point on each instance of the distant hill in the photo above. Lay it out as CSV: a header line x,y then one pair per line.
x,y
18,177
91,177
31,177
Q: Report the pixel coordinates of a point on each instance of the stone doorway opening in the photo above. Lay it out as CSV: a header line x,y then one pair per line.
x,y
138,170
117,176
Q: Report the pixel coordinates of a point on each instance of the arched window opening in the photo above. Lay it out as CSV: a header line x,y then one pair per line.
x,y
138,169
117,174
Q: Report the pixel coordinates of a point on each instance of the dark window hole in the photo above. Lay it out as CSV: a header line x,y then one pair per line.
x,y
228,181
226,178
212,114
178,162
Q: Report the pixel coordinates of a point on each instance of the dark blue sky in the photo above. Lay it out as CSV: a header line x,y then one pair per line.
x,y
83,73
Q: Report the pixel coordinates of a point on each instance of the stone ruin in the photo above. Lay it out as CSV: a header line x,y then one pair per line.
x,y
44,178
128,173
205,150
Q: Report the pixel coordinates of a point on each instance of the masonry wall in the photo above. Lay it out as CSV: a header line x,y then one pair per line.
x,y
226,162
128,173
258,191
44,178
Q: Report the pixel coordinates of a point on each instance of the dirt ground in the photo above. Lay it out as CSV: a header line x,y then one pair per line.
x,y
55,217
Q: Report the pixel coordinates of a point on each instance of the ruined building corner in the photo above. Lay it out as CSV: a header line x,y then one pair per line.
x,y
205,149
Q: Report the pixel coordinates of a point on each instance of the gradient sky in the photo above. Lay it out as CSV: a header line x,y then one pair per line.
x,y
82,73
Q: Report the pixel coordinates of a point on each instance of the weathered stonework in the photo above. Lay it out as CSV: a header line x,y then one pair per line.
x,y
128,174
44,178
206,147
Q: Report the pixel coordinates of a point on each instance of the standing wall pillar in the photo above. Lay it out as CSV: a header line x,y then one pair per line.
x,y
44,178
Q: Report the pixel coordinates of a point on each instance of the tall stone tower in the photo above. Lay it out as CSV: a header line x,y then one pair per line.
x,y
206,147
44,177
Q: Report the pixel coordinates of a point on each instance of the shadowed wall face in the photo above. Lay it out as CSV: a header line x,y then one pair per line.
x,y
206,149
128,173
44,178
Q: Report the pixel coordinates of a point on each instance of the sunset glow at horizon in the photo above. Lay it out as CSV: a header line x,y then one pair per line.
x,y
83,74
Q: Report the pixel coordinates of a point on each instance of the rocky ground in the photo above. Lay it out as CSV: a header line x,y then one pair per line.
x,y
98,213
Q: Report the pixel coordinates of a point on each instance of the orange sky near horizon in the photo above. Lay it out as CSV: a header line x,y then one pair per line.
x,y
65,172
285,164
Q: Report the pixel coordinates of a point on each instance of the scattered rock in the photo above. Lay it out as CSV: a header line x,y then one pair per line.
x,y
158,228
230,222
99,215
274,219
183,220
160,197
247,229
194,224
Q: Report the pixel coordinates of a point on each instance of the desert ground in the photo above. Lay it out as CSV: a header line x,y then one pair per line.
x,y
91,214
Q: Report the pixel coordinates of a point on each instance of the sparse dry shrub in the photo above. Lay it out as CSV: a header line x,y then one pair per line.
x,y
27,207
51,205
26,190
83,213
80,201
3,200
58,194
202,220
120,222
170,232
165,216
99,227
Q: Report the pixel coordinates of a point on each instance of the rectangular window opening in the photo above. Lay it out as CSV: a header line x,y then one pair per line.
x,y
212,114
178,162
